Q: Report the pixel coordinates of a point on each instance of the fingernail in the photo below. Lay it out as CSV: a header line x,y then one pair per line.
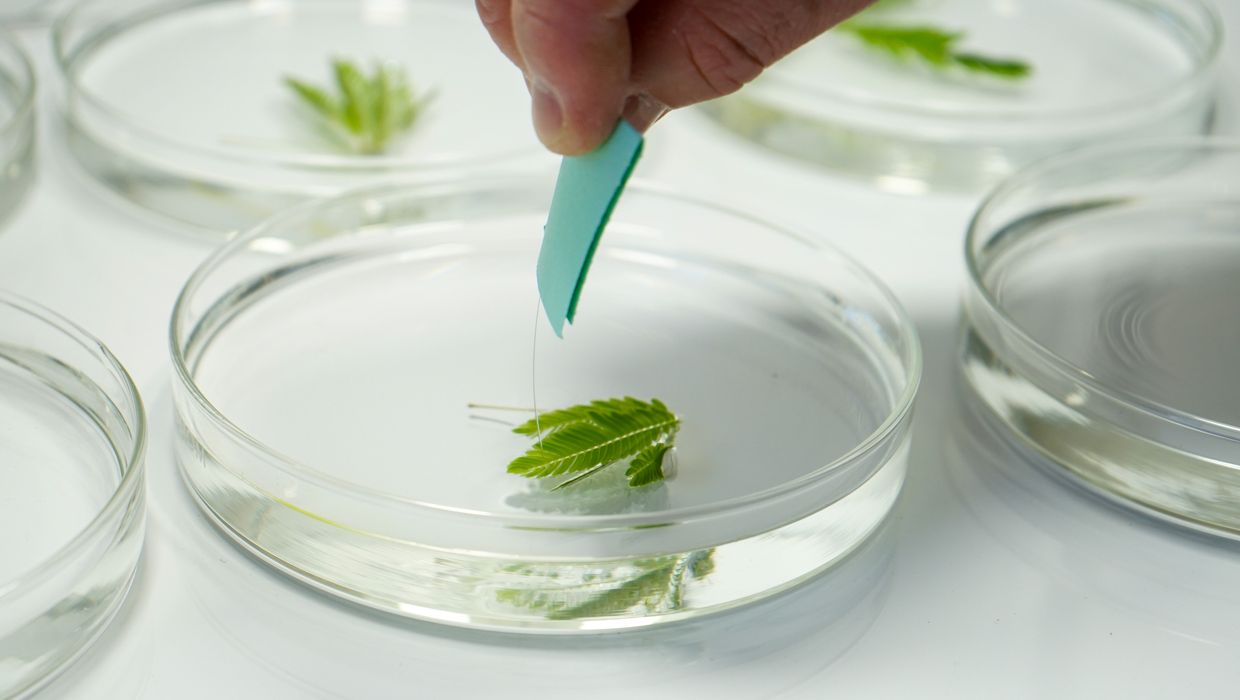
x,y
642,111
548,115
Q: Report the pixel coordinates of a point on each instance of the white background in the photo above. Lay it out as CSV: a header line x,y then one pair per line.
x,y
992,579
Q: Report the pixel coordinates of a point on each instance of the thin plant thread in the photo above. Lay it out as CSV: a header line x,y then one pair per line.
x,y
489,419
534,369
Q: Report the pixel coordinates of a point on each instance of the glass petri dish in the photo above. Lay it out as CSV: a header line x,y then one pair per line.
x,y
181,106
72,434
1101,70
326,362
17,115
1101,325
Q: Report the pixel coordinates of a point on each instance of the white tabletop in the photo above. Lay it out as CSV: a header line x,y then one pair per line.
x,y
993,578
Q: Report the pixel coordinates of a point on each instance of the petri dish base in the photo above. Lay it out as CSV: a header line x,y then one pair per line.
x,y
1101,70
182,108
327,361
1101,325
71,445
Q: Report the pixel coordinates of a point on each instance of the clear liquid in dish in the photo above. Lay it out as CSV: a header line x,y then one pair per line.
x,y
769,389
57,469
1141,299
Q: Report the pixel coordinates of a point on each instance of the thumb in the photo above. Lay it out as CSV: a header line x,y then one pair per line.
x,y
576,55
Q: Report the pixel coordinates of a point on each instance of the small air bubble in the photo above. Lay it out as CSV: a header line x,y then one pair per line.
x,y
374,208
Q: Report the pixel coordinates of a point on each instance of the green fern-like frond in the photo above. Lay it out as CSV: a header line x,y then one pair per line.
x,y
657,585
355,95
647,465
317,98
551,420
584,439
1000,67
556,419
934,46
367,111
648,590
927,43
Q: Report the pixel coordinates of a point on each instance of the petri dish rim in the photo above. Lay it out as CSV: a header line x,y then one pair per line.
x,y
1202,71
1061,366
911,362
24,81
66,54
132,463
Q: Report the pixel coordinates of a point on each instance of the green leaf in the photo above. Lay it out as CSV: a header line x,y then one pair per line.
x,y
551,420
355,93
315,97
368,111
934,46
586,438
1002,67
647,465
928,43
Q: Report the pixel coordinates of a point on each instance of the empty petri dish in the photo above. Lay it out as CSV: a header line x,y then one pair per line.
x,y
1099,70
183,107
328,359
17,90
71,480
1102,325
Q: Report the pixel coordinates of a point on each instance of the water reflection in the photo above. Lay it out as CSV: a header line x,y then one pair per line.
x,y
106,669
213,617
605,493
1166,576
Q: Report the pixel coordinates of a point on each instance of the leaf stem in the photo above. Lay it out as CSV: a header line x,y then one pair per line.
x,y
497,407
581,476
491,419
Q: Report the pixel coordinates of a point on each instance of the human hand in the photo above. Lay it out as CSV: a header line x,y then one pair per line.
x,y
589,62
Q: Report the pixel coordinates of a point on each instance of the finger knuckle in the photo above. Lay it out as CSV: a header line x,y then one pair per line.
x,y
727,49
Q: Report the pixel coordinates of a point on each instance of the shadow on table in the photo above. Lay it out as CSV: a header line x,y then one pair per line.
x,y
1084,541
